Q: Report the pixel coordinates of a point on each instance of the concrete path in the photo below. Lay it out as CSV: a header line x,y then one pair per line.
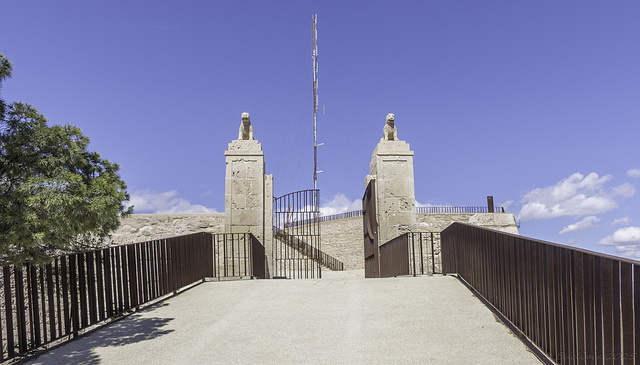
x,y
340,319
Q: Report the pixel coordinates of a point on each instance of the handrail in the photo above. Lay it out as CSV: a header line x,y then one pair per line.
x,y
573,304
52,302
421,210
304,248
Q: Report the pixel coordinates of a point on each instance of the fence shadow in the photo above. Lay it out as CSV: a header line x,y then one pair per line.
x,y
132,329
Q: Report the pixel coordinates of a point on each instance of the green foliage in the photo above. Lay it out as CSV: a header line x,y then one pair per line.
x,y
55,196
5,72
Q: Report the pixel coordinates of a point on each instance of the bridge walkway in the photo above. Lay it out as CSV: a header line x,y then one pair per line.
x,y
339,319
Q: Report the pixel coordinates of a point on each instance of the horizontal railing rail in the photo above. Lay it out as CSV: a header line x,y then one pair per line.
x,y
430,210
575,305
345,215
46,303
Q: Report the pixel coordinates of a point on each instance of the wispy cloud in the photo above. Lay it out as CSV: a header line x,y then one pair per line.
x,y
623,220
168,202
633,172
577,195
340,204
626,240
583,225
418,204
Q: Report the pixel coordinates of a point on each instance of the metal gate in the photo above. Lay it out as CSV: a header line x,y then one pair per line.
x,y
371,260
296,235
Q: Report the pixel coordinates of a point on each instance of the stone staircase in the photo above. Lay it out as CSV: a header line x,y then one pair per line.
x,y
307,251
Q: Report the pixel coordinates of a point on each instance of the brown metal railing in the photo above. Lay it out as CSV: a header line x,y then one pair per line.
x,y
394,257
575,305
258,259
238,255
424,254
45,303
414,253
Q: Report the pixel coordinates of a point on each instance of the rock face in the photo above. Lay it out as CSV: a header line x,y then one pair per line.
x,y
392,168
147,227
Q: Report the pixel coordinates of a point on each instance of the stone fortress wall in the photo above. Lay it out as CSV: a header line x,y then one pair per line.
x,y
149,227
249,203
342,238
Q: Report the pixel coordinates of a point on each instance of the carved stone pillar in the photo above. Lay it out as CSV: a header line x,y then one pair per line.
x,y
248,190
392,168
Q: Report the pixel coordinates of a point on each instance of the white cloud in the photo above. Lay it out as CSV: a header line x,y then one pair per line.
x,y
583,225
625,190
577,195
626,240
633,172
340,204
623,220
418,204
164,203
507,204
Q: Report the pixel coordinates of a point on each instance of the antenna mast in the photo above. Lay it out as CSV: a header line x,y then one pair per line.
x,y
314,20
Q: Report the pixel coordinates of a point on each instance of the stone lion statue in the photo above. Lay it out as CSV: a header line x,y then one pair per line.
x,y
390,131
246,130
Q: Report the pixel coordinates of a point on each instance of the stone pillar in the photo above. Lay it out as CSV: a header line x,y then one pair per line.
x,y
248,190
392,168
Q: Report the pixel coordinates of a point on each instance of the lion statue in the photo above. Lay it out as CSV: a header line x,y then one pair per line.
x,y
246,130
390,131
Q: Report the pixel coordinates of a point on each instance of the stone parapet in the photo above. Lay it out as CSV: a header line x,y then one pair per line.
x,y
148,227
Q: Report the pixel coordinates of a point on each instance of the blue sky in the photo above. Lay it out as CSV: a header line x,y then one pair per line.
x,y
533,102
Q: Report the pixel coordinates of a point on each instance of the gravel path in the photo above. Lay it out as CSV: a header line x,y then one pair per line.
x,y
339,319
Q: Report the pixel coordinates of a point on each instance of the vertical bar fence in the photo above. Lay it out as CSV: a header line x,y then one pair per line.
x,y
238,255
576,306
40,304
413,253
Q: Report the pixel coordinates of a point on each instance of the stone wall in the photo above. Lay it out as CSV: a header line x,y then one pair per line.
x,y
341,239
147,227
437,222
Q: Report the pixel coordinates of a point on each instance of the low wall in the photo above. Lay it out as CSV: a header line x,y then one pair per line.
x,y
437,222
147,227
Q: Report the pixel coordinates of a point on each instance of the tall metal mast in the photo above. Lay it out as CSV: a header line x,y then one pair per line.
x,y
314,20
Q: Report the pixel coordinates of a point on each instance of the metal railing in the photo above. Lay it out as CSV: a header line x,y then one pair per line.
x,y
298,244
424,253
46,303
394,257
448,210
345,215
575,305
238,255
431,210
413,253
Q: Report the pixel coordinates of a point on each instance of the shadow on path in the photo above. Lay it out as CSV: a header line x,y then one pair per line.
x,y
132,329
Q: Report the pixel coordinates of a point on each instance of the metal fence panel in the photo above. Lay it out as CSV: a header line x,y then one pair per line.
x,y
575,305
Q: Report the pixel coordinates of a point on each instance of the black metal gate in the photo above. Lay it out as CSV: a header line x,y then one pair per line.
x,y
371,260
296,235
